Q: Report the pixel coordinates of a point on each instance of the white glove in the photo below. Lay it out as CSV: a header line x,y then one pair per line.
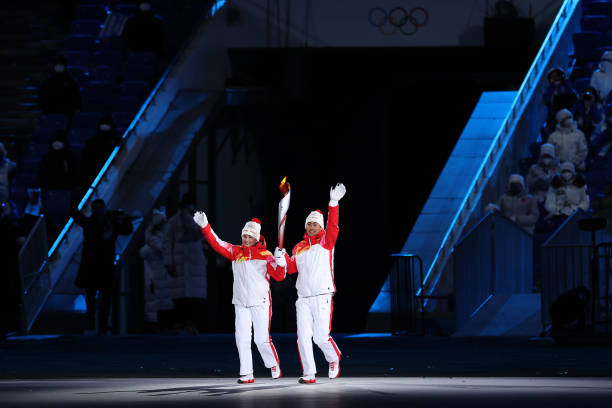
x,y
200,218
279,257
336,193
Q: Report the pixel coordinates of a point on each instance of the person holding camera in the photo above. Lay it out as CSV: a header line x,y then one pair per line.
x,y
97,269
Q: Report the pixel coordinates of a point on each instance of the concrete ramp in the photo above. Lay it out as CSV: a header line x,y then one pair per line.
x,y
505,315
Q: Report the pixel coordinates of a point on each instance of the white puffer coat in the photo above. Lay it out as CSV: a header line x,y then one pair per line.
x,y
183,248
157,297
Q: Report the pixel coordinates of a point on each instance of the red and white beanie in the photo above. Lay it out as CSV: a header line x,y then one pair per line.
x,y
315,216
252,228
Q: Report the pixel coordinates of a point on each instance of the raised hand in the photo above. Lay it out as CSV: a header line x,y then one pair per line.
x,y
200,218
336,193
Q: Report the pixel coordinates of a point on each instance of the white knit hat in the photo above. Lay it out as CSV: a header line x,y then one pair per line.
x,y
517,178
252,228
548,149
563,114
315,216
568,166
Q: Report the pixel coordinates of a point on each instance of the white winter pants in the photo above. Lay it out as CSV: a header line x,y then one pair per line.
x,y
256,319
314,315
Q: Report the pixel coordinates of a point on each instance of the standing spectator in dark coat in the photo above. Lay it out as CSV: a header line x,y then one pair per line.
x,y
96,272
589,115
57,175
559,94
144,31
97,149
59,93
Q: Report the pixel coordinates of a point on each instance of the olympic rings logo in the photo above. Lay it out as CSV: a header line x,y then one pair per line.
x,y
406,22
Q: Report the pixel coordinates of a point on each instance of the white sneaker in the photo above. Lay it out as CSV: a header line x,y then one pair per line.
x,y
307,379
334,369
276,372
246,379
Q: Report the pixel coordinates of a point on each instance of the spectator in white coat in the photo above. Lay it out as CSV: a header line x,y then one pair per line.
x,y
567,193
602,77
156,279
186,264
519,206
541,173
570,143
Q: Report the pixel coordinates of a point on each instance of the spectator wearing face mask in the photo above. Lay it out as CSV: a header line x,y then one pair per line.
x,y
602,77
144,31
97,269
517,205
7,170
59,93
559,94
567,193
97,149
570,143
541,173
57,175
590,117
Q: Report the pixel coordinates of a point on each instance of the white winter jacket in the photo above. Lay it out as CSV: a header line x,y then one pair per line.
x,y
252,268
313,259
565,198
570,145
602,78
183,248
155,271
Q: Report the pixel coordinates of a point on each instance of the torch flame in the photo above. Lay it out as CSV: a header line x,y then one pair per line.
x,y
284,186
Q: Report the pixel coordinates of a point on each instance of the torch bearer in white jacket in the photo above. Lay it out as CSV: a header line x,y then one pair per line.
x,y
283,207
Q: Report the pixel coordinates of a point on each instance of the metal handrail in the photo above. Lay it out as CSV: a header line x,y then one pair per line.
x,y
497,147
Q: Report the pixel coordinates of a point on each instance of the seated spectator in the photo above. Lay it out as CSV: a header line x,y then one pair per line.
x,y
570,143
144,31
590,117
7,169
567,193
541,173
157,281
517,205
559,94
57,175
97,149
602,77
59,93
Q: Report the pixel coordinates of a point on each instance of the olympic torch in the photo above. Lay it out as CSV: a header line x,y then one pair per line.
x,y
283,207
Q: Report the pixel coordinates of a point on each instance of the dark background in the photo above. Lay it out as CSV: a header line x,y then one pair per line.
x,y
381,120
